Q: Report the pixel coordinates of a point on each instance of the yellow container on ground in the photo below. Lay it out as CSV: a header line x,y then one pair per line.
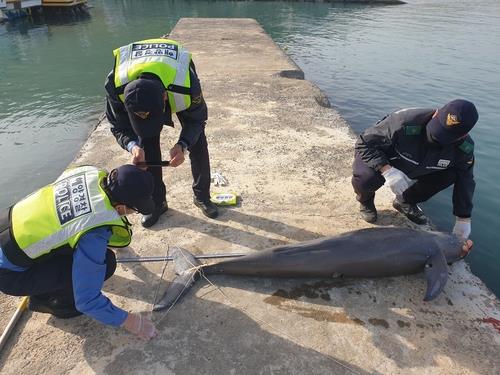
x,y
224,199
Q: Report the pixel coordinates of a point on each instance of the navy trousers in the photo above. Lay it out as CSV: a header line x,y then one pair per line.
x,y
366,181
200,168
49,278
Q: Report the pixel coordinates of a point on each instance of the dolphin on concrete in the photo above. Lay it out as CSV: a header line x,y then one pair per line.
x,y
372,252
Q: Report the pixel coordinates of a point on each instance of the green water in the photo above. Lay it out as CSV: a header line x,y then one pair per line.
x,y
370,60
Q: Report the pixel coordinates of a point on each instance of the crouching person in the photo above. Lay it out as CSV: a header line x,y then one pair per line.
x,y
418,152
54,243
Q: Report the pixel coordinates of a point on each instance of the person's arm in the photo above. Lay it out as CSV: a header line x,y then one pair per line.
x,y
118,117
375,141
89,270
463,190
193,119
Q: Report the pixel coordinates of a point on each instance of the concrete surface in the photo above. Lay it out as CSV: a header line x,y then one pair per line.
x,y
288,155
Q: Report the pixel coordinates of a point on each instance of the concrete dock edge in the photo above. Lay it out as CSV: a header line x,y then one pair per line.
x,y
288,155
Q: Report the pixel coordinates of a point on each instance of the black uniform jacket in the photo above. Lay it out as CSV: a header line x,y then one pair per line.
x,y
193,119
400,139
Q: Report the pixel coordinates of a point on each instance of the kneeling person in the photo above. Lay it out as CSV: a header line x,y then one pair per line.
x,y
418,152
53,243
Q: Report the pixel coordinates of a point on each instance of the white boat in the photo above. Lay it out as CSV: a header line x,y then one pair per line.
x,y
17,8
63,3
21,4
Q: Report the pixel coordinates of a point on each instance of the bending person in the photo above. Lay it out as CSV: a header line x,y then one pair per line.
x,y
54,243
151,80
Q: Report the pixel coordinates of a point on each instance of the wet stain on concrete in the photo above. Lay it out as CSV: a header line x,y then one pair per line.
x,y
379,322
318,289
282,298
403,324
326,316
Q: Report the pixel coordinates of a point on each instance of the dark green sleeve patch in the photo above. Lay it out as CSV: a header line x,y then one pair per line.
x,y
413,129
466,147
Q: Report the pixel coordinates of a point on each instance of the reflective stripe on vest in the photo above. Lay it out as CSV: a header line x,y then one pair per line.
x,y
163,57
60,213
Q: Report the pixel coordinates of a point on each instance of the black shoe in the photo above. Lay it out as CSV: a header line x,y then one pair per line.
x,y
368,211
151,219
411,211
55,306
208,208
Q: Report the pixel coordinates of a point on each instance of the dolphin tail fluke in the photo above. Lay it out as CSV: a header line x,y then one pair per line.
x,y
187,270
436,273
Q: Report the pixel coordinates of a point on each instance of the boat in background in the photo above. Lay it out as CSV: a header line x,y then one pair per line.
x,y
3,5
12,9
64,3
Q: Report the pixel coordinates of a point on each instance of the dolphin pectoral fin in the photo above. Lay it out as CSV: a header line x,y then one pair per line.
x,y
436,273
187,270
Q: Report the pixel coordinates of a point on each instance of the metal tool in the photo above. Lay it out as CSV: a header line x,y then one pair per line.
x,y
170,258
163,163
12,323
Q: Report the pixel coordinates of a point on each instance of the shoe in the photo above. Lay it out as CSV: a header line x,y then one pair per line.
x,y
208,208
55,306
368,211
411,211
151,219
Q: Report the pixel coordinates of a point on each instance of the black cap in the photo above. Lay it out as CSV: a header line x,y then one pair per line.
x,y
133,187
453,121
144,103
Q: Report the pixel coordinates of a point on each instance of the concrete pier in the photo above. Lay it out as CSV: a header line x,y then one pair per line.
x,y
288,154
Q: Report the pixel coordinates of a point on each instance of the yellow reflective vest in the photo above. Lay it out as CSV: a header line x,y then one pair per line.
x,y
165,58
57,215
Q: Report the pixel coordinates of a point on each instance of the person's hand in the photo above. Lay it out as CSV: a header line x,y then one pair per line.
x,y
139,326
397,180
176,155
462,228
138,156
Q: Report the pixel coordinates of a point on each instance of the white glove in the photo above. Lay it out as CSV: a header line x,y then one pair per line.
x,y
219,179
397,180
462,228
140,326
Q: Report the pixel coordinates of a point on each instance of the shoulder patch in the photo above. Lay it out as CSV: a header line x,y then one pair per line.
x,y
466,147
197,99
413,129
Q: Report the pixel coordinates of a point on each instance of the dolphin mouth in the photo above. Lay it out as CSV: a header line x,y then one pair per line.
x,y
188,270
467,247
